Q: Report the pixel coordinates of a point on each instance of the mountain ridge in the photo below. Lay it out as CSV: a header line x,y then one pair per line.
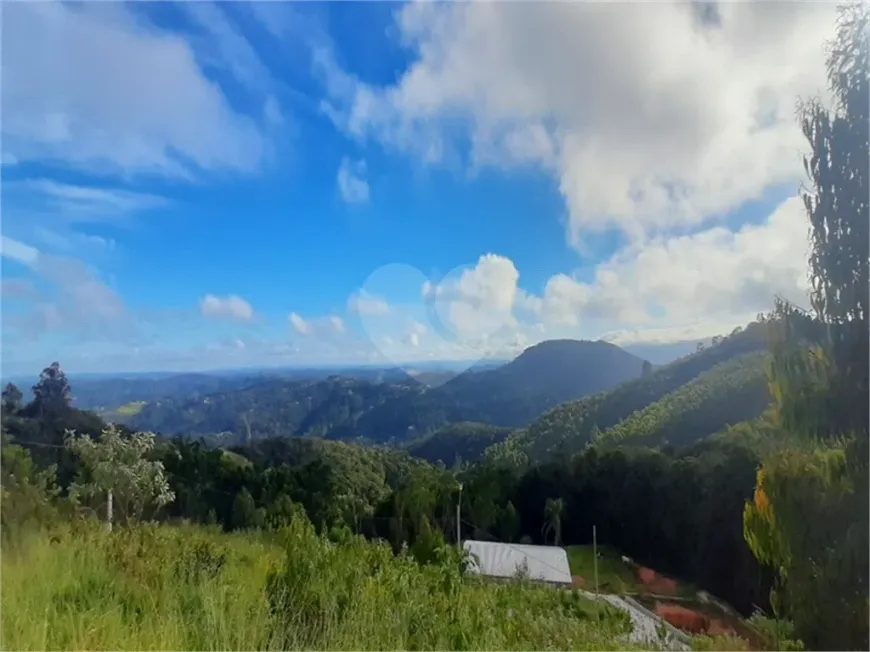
x,y
510,395
569,427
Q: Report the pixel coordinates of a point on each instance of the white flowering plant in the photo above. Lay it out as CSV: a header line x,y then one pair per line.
x,y
119,466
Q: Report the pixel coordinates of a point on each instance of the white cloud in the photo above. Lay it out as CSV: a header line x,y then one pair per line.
x,y
661,143
481,300
227,47
77,301
229,307
87,203
687,122
337,323
299,325
69,240
662,290
715,276
690,332
19,251
17,288
326,330
96,86
364,303
351,185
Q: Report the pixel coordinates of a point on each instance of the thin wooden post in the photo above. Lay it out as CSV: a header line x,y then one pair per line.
x,y
459,518
595,565
109,512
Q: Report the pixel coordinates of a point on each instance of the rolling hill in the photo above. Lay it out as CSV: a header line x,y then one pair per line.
x,y
111,393
457,442
338,407
677,404
108,393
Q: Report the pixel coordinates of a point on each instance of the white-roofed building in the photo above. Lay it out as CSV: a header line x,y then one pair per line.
x,y
506,560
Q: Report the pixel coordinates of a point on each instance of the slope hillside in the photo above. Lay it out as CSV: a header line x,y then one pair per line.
x,y
569,427
457,442
727,394
107,393
561,370
511,395
275,407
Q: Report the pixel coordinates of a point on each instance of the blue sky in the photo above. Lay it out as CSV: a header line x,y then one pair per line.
x,y
195,186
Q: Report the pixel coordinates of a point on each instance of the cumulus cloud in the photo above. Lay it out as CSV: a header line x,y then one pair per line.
x,y
299,325
664,142
97,87
480,300
329,328
666,289
692,118
364,303
229,307
707,275
352,186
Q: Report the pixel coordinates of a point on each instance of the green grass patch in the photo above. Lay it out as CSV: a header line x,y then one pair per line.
x,y
235,460
617,576
161,587
131,408
614,575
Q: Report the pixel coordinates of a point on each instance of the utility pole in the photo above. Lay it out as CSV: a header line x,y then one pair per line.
x,y
595,560
459,517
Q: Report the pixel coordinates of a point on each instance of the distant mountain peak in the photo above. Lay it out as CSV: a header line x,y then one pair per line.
x,y
563,352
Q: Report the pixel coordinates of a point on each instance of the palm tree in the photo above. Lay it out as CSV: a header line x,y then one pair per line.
x,y
553,509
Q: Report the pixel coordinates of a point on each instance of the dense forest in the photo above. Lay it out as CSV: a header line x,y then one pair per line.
x,y
341,407
728,366
457,442
633,496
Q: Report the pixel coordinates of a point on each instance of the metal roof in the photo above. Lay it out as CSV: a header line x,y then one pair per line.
x,y
544,563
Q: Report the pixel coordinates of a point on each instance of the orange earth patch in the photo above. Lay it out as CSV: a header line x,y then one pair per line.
x,y
683,618
696,622
655,583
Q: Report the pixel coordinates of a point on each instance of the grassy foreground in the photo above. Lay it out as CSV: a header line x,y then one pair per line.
x,y
195,588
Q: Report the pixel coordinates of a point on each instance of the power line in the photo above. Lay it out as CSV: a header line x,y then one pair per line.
x,y
31,442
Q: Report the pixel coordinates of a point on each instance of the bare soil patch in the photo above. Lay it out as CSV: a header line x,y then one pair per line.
x,y
655,583
703,619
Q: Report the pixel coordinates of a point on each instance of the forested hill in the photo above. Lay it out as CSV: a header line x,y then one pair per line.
x,y
100,393
677,404
457,442
106,393
271,408
345,408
